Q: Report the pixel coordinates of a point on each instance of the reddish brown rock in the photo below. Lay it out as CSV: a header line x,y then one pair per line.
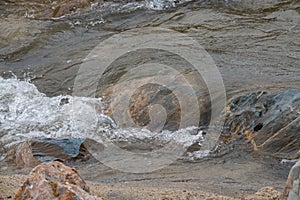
x,y
54,180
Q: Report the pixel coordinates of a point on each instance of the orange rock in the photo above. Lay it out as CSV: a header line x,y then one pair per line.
x,y
54,181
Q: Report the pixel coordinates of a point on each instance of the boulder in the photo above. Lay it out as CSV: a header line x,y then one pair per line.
x,y
54,180
292,187
269,120
49,149
31,153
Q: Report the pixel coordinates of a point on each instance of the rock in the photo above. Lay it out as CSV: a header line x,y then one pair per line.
x,y
54,180
135,104
265,193
269,120
9,185
21,154
18,33
292,187
31,153
49,149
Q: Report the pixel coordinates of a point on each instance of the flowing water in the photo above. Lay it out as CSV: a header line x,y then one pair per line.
x,y
255,45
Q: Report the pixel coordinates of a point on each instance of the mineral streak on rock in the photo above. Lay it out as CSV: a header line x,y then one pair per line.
x,y
270,121
52,181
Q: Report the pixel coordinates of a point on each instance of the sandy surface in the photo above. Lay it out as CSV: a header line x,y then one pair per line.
x,y
232,176
10,183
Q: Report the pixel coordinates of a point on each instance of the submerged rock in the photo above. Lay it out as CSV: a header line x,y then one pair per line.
x,y
173,102
270,121
52,181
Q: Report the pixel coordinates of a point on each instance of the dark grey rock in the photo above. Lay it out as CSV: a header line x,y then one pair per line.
x,y
269,120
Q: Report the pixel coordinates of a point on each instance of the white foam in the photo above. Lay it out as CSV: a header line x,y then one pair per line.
x,y
26,113
123,6
286,161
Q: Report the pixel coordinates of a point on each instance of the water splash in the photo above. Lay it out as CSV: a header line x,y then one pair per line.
x,y
26,113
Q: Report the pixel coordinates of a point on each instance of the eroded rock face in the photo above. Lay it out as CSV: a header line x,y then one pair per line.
x,y
270,121
52,181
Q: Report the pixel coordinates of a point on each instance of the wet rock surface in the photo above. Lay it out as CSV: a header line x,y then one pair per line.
x,y
31,153
269,120
48,149
17,34
54,180
142,100
47,9
21,155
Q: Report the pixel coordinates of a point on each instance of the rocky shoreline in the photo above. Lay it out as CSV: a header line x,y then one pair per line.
x,y
250,170
231,176
255,47
54,180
